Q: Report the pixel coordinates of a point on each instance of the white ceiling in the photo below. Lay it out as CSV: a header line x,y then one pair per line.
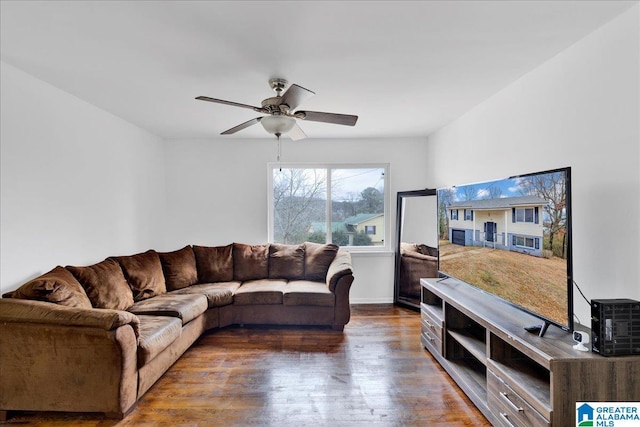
x,y
406,68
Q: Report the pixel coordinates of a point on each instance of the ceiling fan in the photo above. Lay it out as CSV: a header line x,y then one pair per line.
x,y
281,111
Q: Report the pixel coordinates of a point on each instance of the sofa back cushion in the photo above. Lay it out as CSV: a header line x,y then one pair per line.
x,y
104,284
286,261
179,268
57,286
144,274
317,260
250,262
215,263
426,250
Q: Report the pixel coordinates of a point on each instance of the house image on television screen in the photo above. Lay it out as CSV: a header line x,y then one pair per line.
x,y
509,223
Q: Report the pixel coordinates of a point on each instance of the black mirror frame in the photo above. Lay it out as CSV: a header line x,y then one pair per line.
x,y
399,206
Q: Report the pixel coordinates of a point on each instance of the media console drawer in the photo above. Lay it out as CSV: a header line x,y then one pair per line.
x,y
429,340
431,330
511,408
432,323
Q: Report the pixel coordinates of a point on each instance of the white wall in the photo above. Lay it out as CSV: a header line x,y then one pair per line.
x,y
580,109
217,193
77,184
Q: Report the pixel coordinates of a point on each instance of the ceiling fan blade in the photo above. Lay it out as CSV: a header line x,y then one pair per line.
x,y
295,96
338,119
235,104
242,126
296,133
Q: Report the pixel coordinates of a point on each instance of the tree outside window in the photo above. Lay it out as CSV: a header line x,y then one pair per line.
x,y
341,205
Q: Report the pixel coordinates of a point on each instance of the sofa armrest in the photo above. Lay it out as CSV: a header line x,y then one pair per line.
x,y
55,358
339,267
29,311
339,280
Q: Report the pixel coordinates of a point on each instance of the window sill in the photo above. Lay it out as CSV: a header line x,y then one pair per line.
x,y
365,253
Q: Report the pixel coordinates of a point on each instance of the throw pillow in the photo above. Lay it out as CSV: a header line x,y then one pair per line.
x,y
179,268
57,286
215,263
144,274
317,259
104,284
286,261
250,262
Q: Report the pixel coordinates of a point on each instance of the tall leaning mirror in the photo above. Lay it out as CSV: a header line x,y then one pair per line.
x,y
417,243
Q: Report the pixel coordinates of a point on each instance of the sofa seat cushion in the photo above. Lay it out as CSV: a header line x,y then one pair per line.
x,y
185,307
305,292
262,291
156,333
232,286
218,294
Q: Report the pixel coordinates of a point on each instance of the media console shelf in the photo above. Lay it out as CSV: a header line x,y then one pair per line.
x,y
514,377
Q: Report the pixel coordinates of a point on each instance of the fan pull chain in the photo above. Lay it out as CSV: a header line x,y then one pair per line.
x,y
279,151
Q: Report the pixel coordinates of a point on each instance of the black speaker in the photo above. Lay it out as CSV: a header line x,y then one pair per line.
x,y
615,327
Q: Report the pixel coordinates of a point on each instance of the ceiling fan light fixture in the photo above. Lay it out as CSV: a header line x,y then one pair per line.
x,y
281,111
278,124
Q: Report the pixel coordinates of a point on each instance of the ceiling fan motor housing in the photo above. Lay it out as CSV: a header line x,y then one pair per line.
x,y
278,84
274,105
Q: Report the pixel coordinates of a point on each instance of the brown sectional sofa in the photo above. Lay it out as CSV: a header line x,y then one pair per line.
x,y
96,338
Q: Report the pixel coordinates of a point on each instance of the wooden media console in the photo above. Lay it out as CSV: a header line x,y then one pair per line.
x,y
514,377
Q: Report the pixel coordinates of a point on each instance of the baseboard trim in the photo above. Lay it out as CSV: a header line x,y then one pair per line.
x,y
372,301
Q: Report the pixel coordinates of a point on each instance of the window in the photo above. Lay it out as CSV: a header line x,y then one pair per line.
x,y
468,214
526,215
454,214
341,204
526,242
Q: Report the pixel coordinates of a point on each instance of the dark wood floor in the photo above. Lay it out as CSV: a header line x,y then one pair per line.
x,y
373,373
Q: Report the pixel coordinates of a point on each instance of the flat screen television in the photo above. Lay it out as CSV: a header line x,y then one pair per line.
x,y
511,238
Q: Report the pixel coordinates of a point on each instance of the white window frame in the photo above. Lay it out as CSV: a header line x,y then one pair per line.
x,y
523,212
386,247
524,242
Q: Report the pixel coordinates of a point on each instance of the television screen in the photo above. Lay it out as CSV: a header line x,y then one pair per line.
x,y
512,238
